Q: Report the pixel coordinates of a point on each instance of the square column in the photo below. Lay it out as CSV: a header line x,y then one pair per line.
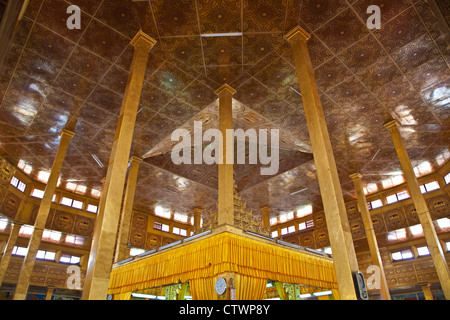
x,y
370,235
422,210
122,251
197,219
35,240
103,244
6,257
341,241
225,206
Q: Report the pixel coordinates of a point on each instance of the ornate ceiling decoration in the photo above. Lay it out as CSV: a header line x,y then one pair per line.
x,y
53,73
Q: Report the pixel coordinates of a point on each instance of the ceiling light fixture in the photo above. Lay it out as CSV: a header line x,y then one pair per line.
x,y
295,91
100,164
169,190
223,34
375,155
298,191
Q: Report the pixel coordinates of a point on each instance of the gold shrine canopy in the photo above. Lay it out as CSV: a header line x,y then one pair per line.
x,y
251,259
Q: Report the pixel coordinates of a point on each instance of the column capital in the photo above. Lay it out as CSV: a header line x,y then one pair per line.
x,y
391,124
135,159
265,209
143,38
356,176
197,210
223,88
67,133
297,32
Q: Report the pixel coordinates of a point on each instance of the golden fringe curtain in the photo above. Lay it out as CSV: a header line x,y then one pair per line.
x,y
225,252
203,288
122,296
249,288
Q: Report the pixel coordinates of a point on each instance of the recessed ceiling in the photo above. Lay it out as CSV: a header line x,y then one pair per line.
x,y
53,73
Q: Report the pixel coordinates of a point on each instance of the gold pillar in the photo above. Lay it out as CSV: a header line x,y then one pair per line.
x,y
226,180
197,219
49,293
103,244
370,235
122,251
41,218
23,214
426,289
341,241
265,217
6,257
422,209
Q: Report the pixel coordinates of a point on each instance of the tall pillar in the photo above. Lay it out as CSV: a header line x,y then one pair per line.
x,y
426,289
370,235
265,217
41,218
49,293
422,209
6,257
197,219
341,241
102,249
225,204
122,251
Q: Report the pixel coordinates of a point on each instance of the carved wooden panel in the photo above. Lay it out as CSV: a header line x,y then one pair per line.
x,y
10,205
139,220
63,221
395,219
6,172
407,279
153,240
352,210
307,239
439,207
165,241
137,237
319,220
3,192
427,277
321,238
357,229
84,226
378,223
411,215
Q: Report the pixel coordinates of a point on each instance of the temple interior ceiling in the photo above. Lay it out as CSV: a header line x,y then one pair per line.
x,y
364,76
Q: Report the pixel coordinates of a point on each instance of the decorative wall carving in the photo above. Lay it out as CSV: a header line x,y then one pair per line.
x,y
307,239
6,172
63,221
439,206
321,238
152,241
395,219
10,205
411,215
84,226
319,220
352,210
139,220
44,273
357,229
137,237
